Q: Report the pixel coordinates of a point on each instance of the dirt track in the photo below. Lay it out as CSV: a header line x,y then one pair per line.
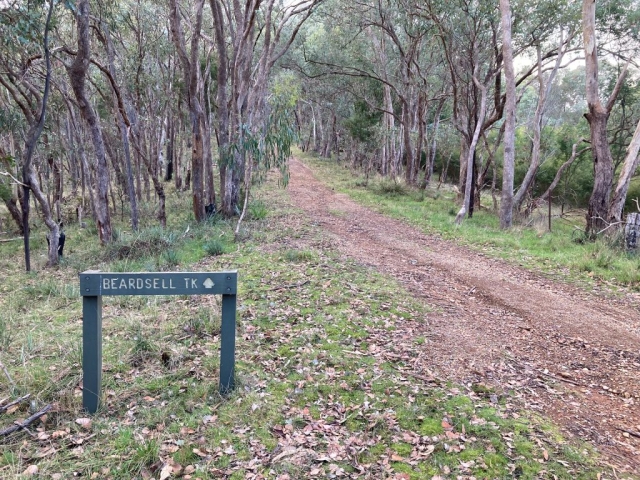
x,y
569,354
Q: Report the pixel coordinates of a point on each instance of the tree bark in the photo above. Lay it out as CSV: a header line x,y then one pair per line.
x,y
629,167
471,154
597,116
122,121
77,75
543,94
506,203
434,144
191,67
29,177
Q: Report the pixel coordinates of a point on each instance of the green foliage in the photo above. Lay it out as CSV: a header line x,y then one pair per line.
x,y
214,247
172,257
270,146
391,188
285,90
6,335
5,190
258,210
299,256
361,125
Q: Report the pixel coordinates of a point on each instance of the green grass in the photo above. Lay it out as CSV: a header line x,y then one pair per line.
x,y
316,395
563,252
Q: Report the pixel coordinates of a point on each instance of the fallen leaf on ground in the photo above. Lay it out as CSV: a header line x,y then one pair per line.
x,y
84,423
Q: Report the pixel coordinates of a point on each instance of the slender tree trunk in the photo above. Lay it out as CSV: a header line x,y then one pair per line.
x,y
629,167
191,68
77,76
543,94
222,117
29,176
171,138
597,116
12,206
422,125
434,144
506,205
406,137
466,206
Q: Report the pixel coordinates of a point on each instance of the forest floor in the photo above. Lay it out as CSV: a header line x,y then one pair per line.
x,y
570,354
365,349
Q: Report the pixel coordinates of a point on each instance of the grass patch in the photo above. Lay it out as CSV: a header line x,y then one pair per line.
x,y
299,256
258,210
214,247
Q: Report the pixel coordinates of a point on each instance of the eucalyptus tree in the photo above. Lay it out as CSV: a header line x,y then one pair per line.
x,y
388,42
21,80
78,71
190,62
250,39
629,167
506,205
621,18
468,33
10,124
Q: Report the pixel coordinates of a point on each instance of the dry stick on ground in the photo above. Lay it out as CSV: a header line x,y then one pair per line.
x,y
562,379
26,423
630,432
6,407
295,285
6,372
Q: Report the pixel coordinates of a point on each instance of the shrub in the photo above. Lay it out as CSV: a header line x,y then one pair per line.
x,y
148,242
391,188
258,210
214,248
172,257
299,256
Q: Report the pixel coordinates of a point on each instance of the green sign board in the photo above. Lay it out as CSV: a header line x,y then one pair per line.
x,y
94,285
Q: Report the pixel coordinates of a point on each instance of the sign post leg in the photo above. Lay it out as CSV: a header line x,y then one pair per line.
x,y
91,352
228,344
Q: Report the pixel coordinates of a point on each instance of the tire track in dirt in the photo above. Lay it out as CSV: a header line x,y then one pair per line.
x,y
573,356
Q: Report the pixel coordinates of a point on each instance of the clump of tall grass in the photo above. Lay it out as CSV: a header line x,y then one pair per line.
x,y
147,242
390,188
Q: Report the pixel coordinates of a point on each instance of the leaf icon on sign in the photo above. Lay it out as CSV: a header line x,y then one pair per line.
x,y
208,283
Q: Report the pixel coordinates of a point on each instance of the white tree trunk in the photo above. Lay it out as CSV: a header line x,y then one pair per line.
x,y
506,206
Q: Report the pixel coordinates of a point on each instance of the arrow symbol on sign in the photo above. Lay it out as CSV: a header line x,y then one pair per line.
x,y
208,283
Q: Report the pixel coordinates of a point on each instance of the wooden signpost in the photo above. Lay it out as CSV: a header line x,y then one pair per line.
x,y
94,285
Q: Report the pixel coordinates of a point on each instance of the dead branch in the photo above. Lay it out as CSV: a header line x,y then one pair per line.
x,y
18,182
6,373
562,379
6,407
295,285
20,425
630,432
